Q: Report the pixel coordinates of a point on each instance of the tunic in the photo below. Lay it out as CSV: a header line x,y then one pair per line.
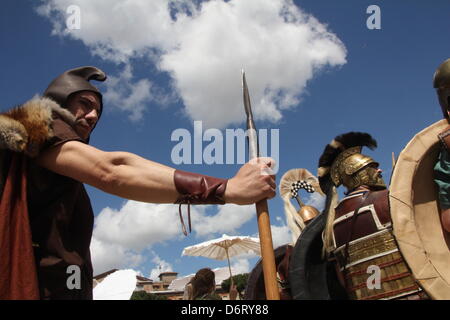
x,y
61,220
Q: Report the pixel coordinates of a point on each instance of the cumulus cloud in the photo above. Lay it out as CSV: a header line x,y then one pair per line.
x,y
240,266
228,219
204,47
279,46
132,96
161,266
137,225
114,30
122,93
281,234
107,256
121,236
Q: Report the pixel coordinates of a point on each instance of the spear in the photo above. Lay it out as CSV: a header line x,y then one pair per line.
x,y
262,211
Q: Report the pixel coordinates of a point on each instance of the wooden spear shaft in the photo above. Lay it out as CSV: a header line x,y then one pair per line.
x,y
267,253
262,211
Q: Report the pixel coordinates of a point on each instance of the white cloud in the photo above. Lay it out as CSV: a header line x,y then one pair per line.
x,y
114,30
137,225
228,219
121,236
125,95
161,266
204,47
107,256
279,46
239,266
281,234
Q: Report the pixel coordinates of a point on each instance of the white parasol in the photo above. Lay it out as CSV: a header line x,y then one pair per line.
x,y
117,286
224,248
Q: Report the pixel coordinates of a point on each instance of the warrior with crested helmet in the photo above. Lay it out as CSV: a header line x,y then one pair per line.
x,y
358,231
402,232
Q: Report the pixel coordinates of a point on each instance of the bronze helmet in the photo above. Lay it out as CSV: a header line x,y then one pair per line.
x,y
353,169
343,163
73,81
308,213
441,81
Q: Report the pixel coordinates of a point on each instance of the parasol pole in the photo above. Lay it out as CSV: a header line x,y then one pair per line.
x,y
229,268
262,211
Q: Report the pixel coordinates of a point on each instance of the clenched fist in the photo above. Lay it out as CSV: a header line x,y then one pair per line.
x,y
253,182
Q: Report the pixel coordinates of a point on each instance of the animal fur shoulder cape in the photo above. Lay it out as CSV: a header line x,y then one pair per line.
x,y
23,132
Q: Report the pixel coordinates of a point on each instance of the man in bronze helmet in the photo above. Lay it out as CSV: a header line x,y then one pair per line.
x,y
46,219
358,232
441,81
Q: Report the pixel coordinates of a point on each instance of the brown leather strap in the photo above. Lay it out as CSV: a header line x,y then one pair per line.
x,y
183,226
197,189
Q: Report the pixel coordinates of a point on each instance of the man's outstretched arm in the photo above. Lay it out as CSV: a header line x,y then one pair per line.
x,y
133,177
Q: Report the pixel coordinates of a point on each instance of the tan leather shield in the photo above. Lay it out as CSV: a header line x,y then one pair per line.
x,y
415,213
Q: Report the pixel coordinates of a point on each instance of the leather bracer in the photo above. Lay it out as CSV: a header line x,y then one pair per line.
x,y
197,189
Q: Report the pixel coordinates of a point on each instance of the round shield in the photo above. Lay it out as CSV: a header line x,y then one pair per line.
x,y
415,213
307,270
310,276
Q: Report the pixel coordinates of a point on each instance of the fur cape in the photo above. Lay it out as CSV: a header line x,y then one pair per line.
x,y
23,132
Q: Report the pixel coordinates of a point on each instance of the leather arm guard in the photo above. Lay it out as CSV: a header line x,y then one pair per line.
x,y
197,189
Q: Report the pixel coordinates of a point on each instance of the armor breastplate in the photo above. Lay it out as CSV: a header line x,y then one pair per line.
x,y
364,246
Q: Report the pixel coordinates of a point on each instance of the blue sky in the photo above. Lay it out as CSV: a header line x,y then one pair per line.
x,y
311,79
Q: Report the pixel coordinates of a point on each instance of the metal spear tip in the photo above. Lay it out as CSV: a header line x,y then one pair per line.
x,y
246,96
244,82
